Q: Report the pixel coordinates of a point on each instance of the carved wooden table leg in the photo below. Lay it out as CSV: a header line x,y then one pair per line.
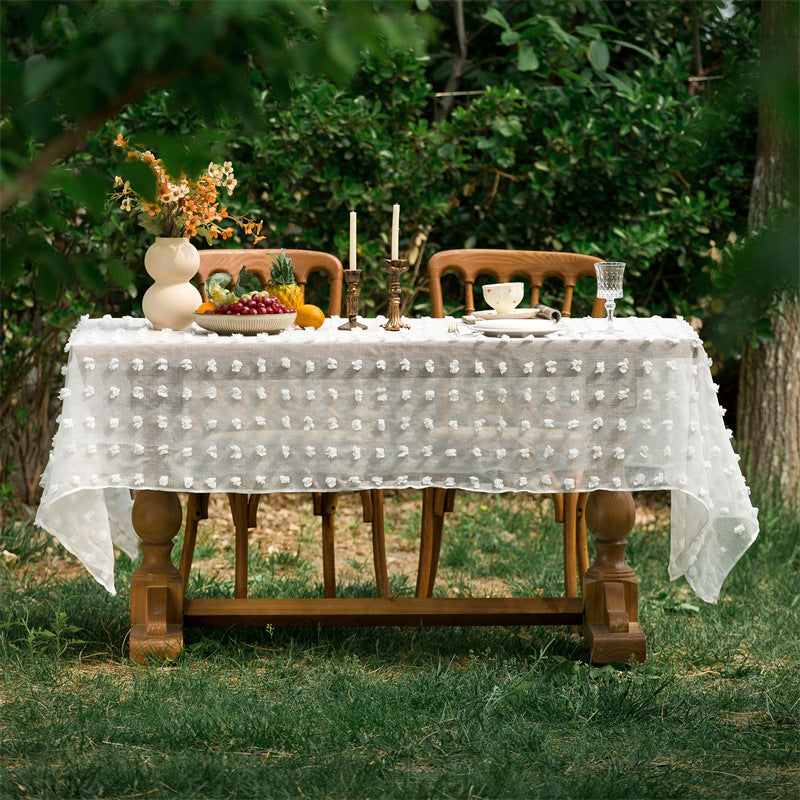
x,y
156,585
611,589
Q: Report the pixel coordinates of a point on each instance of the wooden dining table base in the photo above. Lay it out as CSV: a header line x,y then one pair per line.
x,y
607,613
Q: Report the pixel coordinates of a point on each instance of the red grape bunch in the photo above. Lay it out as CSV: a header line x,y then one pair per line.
x,y
251,304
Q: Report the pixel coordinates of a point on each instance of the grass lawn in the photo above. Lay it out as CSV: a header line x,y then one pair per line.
x,y
404,713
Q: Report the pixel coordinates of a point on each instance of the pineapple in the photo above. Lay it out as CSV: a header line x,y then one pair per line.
x,y
282,284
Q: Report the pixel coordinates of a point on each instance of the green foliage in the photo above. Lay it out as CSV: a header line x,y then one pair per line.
x,y
565,182
31,357
331,151
747,276
587,135
67,68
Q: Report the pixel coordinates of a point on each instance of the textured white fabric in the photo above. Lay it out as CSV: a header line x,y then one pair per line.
x,y
332,410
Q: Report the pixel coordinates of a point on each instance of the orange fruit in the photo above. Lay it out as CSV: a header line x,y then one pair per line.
x,y
309,316
203,307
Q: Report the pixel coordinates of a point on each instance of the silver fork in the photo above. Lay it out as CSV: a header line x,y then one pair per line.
x,y
452,325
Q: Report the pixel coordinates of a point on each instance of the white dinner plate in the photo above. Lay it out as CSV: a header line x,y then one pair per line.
x,y
516,327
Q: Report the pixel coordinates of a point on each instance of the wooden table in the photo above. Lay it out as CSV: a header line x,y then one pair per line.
x,y
607,613
160,412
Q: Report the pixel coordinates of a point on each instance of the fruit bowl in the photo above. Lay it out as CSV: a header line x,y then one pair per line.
x,y
246,324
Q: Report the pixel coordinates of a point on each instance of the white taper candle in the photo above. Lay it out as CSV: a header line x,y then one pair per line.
x,y
395,230
352,263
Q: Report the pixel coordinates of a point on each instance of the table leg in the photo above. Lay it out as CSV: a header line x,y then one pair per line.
x,y
611,589
156,585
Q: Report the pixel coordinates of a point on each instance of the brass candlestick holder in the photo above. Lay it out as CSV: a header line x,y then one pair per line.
x,y
352,277
395,267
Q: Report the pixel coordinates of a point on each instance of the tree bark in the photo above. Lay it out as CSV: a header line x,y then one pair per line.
x,y
459,60
768,407
768,427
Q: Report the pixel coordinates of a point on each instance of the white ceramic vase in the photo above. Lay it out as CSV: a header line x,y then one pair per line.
x,y
171,301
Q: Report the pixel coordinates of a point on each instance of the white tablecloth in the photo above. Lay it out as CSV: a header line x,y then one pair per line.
x,y
338,410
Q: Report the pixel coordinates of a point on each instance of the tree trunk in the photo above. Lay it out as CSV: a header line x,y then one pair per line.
x,y
445,105
768,426
775,178
768,408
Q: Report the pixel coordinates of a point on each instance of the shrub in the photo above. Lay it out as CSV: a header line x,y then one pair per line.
x,y
596,145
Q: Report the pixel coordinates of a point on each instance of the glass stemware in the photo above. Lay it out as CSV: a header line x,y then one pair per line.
x,y
609,286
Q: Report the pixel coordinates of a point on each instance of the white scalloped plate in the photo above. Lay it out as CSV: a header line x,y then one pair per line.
x,y
516,327
248,324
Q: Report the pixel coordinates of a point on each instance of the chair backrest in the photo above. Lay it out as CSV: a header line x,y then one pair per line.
x,y
536,266
259,262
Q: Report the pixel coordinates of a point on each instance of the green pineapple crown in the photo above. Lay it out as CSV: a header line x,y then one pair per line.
x,y
282,269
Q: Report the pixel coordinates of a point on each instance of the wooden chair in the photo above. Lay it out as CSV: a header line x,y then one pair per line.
x,y
504,265
244,508
259,262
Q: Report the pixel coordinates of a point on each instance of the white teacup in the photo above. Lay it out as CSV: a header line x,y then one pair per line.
x,y
503,297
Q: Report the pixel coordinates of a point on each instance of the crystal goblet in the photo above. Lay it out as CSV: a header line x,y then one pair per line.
x,y
609,286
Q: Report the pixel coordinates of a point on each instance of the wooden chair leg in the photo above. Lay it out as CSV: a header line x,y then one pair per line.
x,y
443,501
425,544
196,509
558,507
238,503
189,539
435,504
252,510
366,504
570,556
581,543
378,542
325,507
